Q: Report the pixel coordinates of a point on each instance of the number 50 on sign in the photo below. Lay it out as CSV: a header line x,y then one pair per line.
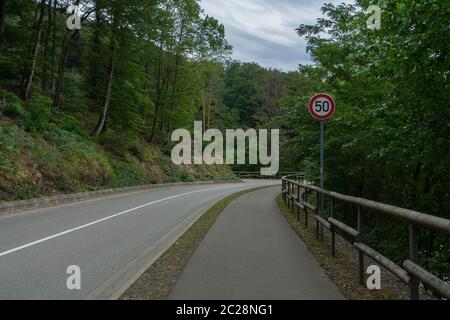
x,y
322,106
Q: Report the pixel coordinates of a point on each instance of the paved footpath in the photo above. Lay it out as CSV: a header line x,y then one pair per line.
x,y
251,253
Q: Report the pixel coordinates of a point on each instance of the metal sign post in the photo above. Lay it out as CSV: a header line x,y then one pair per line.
x,y
322,107
322,154
322,178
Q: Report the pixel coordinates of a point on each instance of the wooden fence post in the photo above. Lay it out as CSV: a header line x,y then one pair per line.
x,y
414,257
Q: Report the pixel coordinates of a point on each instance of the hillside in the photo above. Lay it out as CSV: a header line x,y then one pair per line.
x,y
46,154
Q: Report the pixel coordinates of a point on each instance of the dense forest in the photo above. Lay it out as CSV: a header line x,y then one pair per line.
x,y
95,107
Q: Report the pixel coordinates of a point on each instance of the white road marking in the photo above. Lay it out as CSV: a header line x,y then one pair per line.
x,y
101,220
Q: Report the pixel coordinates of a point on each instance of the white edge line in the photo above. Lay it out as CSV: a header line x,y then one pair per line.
x,y
2,254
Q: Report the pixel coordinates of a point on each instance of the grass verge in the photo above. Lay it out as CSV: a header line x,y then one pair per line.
x,y
343,269
159,279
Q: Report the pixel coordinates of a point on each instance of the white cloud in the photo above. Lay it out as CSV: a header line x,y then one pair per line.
x,y
263,31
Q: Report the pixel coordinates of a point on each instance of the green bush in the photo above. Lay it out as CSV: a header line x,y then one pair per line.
x,y
11,105
137,151
85,162
72,124
41,112
24,190
127,173
8,146
14,110
116,143
180,176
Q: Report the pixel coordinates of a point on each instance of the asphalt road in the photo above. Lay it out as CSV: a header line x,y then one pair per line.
x,y
263,259
111,239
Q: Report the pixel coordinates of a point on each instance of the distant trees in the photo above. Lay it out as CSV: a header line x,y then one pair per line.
x,y
243,93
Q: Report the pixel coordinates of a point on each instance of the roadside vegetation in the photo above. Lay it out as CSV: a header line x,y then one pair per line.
x,y
46,155
92,108
389,140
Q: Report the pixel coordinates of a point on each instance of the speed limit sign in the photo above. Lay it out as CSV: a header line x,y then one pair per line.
x,y
322,106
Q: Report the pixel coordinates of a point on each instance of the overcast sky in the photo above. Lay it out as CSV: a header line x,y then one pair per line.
x,y
263,31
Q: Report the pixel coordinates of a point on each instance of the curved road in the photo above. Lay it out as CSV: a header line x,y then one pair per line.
x,y
111,239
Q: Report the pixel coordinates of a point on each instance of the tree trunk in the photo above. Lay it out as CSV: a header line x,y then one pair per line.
x,y
204,111
65,50
175,78
94,67
29,48
159,85
166,85
158,98
46,66
102,120
2,22
53,50
62,66
208,125
32,66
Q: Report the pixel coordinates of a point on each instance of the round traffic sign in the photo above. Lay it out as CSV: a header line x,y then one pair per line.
x,y
322,106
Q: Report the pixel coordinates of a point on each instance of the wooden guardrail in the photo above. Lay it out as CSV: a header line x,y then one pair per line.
x,y
296,193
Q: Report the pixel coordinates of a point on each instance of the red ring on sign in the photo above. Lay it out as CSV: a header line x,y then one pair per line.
x,y
314,99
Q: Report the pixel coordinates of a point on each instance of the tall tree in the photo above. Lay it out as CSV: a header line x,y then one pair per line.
x,y
31,69
2,22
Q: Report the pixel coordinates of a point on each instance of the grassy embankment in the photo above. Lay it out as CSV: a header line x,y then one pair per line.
x,y
43,152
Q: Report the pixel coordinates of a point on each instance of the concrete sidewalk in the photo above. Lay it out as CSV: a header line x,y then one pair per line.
x,y
251,253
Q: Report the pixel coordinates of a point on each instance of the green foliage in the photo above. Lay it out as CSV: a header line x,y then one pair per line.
x,y
243,82
140,69
11,106
72,124
127,173
181,176
8,147
40,109
145,65
390,124
57,160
